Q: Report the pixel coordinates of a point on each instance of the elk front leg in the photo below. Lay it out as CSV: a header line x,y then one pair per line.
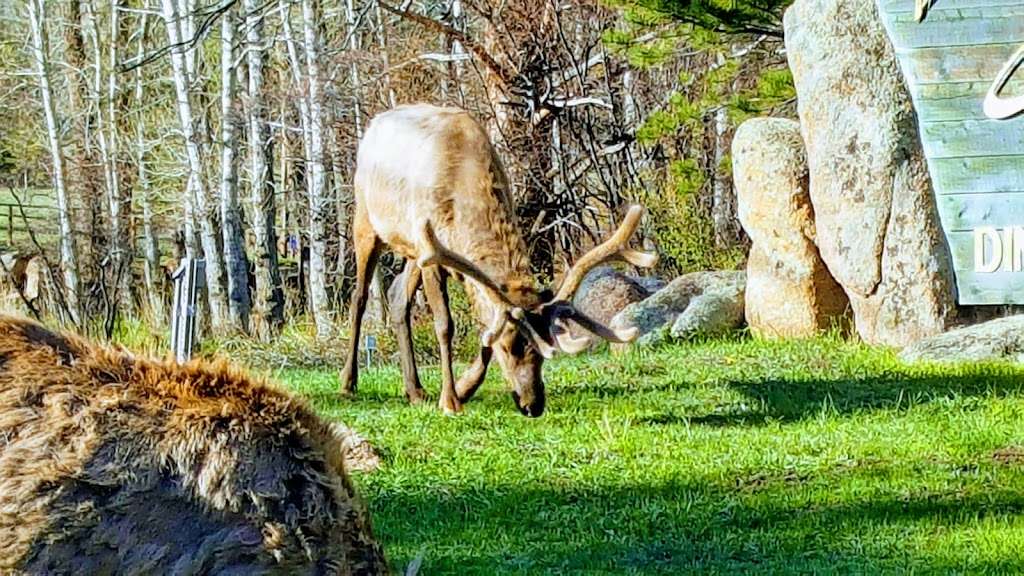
x,y
367,247
474,376
401,296
435,285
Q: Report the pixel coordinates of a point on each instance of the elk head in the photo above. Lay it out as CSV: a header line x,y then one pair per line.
x,y
524,332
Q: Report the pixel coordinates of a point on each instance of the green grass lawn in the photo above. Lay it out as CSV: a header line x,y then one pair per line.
x,y
721,457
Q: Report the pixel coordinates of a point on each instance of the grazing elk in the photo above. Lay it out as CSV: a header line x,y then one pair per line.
x,y
112,464
429,185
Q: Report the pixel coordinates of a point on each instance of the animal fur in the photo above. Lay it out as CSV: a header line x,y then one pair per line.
x,y
113,464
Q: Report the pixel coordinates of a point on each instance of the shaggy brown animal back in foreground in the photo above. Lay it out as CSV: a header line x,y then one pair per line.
x,y
111,464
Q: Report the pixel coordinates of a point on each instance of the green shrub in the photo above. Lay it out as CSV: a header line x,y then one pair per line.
x,y
682,228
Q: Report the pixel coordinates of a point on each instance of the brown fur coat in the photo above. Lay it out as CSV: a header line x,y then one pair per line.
x,y
112,464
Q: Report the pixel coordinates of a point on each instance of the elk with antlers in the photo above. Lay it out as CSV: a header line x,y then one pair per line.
x,y
429,185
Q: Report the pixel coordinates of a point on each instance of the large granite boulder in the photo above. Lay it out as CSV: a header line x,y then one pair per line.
x,y
877,226
605,291
655,316
711,314
998,339
790,292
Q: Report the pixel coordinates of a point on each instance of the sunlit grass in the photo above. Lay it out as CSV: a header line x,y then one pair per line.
x,y
718,457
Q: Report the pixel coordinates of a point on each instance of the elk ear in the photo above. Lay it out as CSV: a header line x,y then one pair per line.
x,y
522,321
546,295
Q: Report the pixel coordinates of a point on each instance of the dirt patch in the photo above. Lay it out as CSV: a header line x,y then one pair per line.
x,y
1010,455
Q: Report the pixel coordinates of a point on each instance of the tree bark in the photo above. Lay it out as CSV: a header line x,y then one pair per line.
x,y
117,270
723,212
197,200
69,259
151,272
236,263
268,301
316,175
83,171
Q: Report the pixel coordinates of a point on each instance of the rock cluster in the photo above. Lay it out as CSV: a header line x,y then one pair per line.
x,y
790,292
871,216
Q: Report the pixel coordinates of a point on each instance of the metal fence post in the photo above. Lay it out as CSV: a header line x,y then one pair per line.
x,y
188,278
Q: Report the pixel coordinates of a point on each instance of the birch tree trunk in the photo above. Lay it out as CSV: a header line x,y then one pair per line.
x,y
268,301
118,268
196,205
382,42
122,251
236,264
150,247
69,259
316,175
722,211
85,198
297,72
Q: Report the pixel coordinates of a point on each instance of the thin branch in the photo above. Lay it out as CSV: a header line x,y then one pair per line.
x,y
500,72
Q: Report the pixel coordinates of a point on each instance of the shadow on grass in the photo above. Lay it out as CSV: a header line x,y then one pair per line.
x,y
682,528
794,399
788,400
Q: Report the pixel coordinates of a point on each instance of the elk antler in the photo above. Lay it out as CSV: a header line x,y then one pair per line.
x,y
436,254
564,310
565,341
614,247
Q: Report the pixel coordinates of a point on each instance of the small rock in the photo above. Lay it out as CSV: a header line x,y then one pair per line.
x,y
710,314
651,283
357,453
661,309
1000,339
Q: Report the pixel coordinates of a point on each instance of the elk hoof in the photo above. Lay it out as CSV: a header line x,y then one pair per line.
x,y
450,406
416,396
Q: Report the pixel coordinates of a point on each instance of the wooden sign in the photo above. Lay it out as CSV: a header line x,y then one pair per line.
x,y
961,63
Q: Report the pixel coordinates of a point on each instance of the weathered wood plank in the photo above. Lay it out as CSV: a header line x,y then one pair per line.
x,y
962,27
990,289
977,164
965,64
957,101
907,6
980,175
965,212
961,246
971,138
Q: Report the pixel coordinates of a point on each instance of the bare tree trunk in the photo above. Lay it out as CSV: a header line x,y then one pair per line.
x,y
69,259
268,301
722,209
297,72
236,264
382,42
151,248
82,169
316,175
120,196
196,206
118,268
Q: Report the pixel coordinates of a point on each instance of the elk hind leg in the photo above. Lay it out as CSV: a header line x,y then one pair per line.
x,y
436,288
401,297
